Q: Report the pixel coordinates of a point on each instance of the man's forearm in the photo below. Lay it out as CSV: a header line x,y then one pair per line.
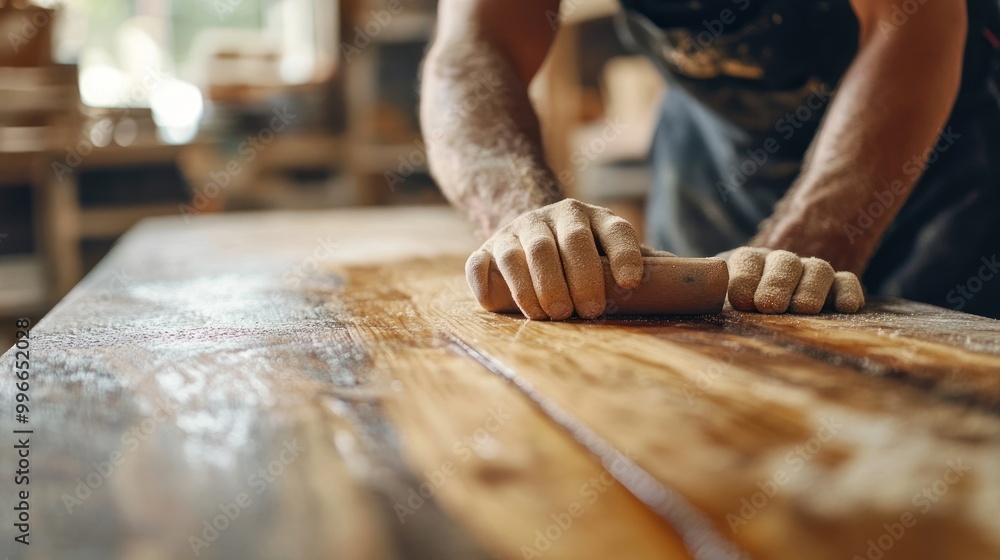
x,y
483,139
888,110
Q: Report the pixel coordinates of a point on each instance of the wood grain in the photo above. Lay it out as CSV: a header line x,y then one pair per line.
x,y
809,403
513,479
347,344
222,343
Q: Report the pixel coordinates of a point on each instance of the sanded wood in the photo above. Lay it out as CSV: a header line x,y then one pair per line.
x,y
844,420
352,338
230,343
511,478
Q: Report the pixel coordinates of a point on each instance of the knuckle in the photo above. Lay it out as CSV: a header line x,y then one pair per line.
x,y
530,221
744,270
823,267
508,229
784,258
600,212
847,280
746,257
577,236
569,204
538,248
619,227
509,256
574,210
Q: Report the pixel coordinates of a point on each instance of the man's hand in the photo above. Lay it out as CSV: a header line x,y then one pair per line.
x,y
550,259
778,281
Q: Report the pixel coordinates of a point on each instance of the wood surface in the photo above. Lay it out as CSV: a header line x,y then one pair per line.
x,y
344,351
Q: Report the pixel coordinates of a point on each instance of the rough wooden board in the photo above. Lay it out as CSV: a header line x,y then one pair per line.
x,y
229,325
197,439
712,410
503,485
953,355
204,324
253,329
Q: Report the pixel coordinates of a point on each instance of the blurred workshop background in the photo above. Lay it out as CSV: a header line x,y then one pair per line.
x,y
116,110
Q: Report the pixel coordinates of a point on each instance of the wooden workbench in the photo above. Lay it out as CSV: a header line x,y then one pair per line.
x,y
322,385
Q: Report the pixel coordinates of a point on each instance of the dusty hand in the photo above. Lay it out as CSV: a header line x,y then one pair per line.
x,y
778,281
550,259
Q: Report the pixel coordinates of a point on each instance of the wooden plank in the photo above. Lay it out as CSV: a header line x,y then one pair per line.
x,y
512,478
196,355
791,433
353,336
953,355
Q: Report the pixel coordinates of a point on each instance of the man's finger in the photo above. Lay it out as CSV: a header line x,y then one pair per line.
x,y
621,245
846,294
746,266
810,295
477,273
513,265
782,272
546,270
581,262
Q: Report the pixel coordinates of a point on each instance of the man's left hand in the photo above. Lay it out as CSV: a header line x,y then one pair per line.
x,y
770,281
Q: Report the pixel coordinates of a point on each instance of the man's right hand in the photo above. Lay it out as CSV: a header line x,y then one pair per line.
x,y
550,259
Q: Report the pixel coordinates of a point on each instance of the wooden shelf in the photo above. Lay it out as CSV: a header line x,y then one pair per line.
x,y
379,158
23,288
403,28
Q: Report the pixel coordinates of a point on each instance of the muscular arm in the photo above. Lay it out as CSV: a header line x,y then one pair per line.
x,y
485,151
483,139
889,108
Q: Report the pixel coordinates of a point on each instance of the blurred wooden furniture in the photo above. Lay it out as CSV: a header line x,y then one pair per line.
x,y
38,113
27,32
67,222
48,138
322,385
381,53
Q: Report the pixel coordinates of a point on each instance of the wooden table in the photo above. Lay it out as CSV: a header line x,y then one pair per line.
x,y
322,385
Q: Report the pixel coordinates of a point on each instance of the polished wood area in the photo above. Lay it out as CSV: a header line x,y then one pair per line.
x,y
323,385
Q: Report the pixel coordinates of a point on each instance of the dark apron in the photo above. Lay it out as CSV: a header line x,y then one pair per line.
x,y
749,82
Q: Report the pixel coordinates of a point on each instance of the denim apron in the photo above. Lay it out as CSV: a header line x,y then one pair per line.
x,y
748,84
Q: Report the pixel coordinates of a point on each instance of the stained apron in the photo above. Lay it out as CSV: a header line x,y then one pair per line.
x,y
748,84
